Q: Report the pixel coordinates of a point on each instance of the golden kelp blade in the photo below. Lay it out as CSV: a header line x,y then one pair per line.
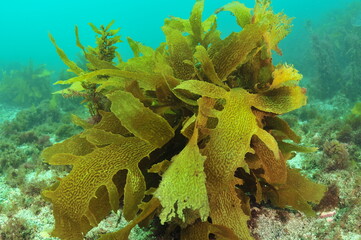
x,y
74,216
183,188
240,11
297,193
123,234
72,65
139,120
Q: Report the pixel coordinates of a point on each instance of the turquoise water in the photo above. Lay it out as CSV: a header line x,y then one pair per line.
x,y
356,20
25,24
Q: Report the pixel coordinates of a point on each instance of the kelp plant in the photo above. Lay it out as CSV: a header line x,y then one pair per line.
x,y
188,132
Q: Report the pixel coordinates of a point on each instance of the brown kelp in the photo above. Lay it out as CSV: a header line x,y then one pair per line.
x,y
188,132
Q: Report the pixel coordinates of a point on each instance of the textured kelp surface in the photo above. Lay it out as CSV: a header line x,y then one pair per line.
x,y
188,132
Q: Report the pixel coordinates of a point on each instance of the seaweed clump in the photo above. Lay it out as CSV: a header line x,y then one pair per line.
x,y
337,155
336,50
188,133
25,86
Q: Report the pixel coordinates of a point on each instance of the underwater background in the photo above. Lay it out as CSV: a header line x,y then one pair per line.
x,y
324,45
25,25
